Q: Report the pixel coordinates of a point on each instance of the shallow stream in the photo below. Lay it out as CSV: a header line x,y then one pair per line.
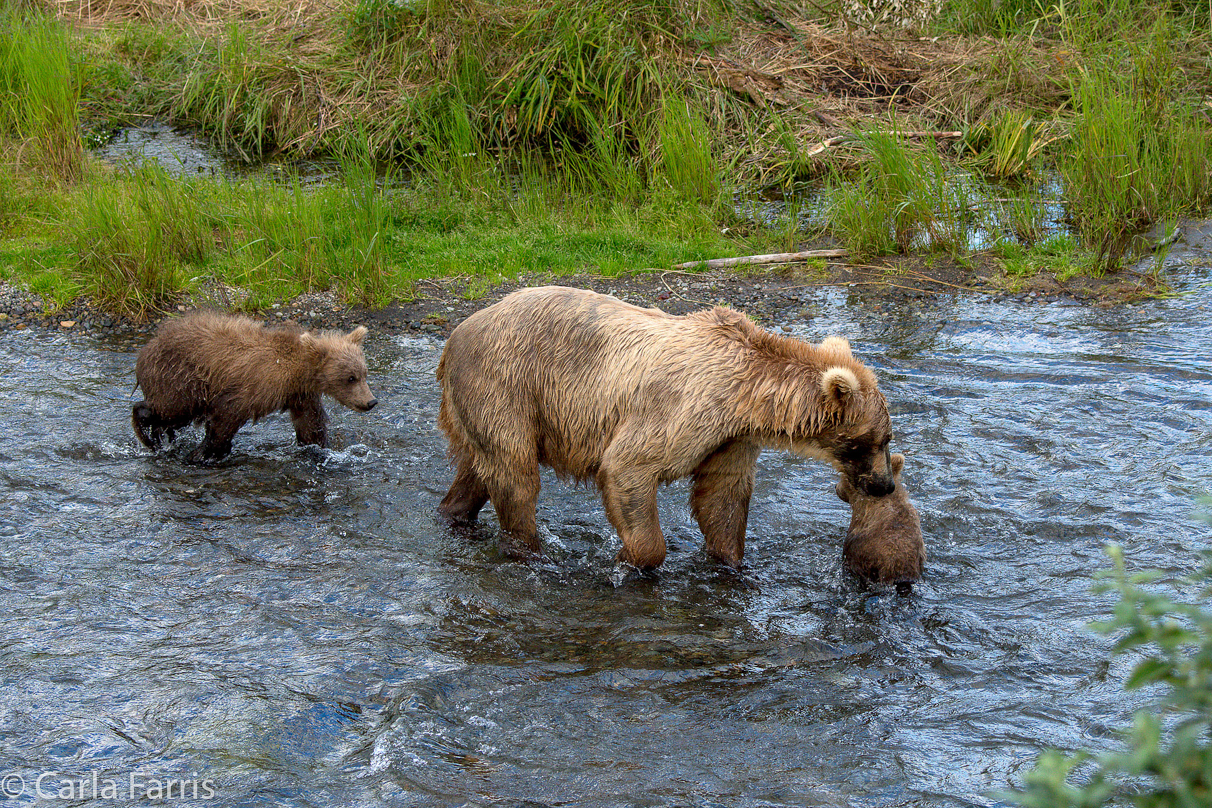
x,y
294,627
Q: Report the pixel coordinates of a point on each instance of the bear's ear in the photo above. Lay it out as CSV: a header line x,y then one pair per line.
x,y
838,383
843,490
307,340
836,344
898,465
357,335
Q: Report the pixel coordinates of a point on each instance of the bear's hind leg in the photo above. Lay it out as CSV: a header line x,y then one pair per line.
x,y
719,500
217,443
150,427
513,486
146,425
466,496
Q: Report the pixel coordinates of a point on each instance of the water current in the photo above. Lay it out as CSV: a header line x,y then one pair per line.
x,y
295,627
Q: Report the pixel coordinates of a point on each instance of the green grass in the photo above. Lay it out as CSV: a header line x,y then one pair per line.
x,y
1137,153
1059,254
903,199
137,240
40,94
592,136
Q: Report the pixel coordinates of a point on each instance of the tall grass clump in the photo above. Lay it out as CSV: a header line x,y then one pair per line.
x,y
901,199
1136,154
283,238
134,235
686,158
1167,762
239,92
585,67
1009,146
547,77
39,94
358,219
995,17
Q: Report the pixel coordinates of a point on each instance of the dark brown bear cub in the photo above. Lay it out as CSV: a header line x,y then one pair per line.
x,y
222,371
884,543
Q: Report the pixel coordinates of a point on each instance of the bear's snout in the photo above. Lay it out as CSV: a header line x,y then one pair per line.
x,y
878,485
370,405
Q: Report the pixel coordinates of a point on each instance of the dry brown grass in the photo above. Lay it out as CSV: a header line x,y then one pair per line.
x,y
801,78
199,12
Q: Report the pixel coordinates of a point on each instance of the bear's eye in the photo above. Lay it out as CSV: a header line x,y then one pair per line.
x,y
352,378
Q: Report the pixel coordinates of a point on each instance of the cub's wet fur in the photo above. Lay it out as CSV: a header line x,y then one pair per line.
x,y
224,370
884,543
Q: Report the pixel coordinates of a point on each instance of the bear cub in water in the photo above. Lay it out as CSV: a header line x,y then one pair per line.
x,y
884,543
223,370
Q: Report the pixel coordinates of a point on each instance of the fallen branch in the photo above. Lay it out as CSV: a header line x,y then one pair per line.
x,y
825,145
769,258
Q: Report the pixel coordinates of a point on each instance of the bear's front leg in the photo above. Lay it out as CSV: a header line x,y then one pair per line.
x,y
311,422
628,481
719,500
513,485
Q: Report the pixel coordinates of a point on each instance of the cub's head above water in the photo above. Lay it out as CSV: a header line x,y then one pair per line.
x,y
884,542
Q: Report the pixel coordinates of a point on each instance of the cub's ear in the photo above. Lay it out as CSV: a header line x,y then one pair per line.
x,y
836,344
838,384
898,464
843,490
357,335
307,340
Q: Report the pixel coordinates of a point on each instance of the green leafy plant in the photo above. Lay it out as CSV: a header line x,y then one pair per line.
x,y
1168,760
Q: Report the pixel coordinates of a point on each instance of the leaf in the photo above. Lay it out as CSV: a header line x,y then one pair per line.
x,y
1147,672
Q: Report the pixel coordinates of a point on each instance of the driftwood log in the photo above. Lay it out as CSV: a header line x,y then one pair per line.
x,y
769,258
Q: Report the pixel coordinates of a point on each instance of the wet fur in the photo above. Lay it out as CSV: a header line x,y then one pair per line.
x,y
630,398
884,543
224,370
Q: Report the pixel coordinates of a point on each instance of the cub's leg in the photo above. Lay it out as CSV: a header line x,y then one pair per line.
x,y
150,428
217,443
311,422
628,480
466,496
719,500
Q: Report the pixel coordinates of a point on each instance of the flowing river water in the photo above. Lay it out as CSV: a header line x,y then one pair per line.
x,y
295,627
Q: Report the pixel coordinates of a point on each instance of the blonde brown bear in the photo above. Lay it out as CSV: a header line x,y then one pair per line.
x,y
884,543
629,397
225,370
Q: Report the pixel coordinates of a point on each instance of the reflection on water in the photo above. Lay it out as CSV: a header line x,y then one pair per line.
x,y
184,154
294,624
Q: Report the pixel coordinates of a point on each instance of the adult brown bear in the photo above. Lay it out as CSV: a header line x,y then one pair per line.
x,y
225,370
631,398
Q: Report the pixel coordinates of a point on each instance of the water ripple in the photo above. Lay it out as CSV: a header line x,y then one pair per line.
x,y
296,625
